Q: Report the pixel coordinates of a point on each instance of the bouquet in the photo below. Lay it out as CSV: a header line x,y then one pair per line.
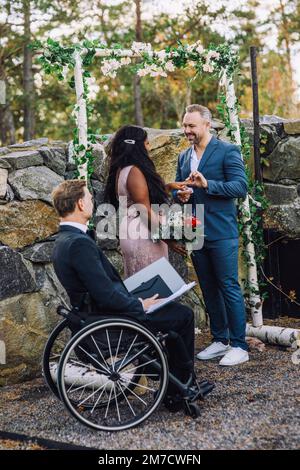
x,y
176,225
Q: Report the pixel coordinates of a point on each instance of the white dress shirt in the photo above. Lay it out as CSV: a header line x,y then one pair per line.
x,y
194,160
81,227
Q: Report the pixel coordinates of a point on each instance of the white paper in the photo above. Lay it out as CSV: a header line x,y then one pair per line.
x,y
166,300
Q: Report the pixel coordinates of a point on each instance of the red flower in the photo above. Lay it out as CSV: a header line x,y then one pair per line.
x,y
192,221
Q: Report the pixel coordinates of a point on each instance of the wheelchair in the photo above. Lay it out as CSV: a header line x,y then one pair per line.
x,y
112,373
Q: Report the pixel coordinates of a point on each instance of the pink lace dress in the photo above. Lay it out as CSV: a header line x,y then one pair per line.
x,y
137,248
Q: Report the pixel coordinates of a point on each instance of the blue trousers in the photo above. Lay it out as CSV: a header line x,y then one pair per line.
x,y
216,265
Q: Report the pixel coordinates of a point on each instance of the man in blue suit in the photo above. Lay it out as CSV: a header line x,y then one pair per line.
x,y
216,172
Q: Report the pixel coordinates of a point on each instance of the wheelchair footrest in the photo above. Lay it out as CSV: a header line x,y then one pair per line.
x,y
201,389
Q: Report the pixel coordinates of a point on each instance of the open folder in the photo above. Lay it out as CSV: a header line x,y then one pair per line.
x,y
158,278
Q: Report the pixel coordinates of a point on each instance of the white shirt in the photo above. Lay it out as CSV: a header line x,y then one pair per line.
x,y
81,227
194,160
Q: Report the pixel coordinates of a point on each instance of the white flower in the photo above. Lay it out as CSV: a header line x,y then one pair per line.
x,y
161,55
190,48
142,72
139,47
207,67
125,61
110,66
200,49
212,55
153,70
169,66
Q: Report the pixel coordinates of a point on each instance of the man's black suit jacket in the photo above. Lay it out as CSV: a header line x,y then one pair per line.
x,y
82,267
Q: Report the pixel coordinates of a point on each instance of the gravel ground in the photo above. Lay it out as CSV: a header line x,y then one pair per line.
x,y
254,406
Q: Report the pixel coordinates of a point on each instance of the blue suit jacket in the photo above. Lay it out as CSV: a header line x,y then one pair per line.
x,y
222,166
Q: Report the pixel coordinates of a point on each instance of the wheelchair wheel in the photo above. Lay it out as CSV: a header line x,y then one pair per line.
x,y
52,352
117,353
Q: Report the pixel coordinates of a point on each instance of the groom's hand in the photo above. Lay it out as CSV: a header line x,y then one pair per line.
x,y
196,179
150,301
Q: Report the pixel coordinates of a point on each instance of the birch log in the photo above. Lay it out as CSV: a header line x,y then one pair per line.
x,y
81,376
255,301
275,335
85,377
81,114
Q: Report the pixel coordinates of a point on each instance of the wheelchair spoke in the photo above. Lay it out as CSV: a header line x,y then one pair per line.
x,y
107,366
91,394
120,386
140,365
85,366
117,405
127,352
82,386
134,394
117,350
97,401
108,403
138,385
130,359
88,354
109,348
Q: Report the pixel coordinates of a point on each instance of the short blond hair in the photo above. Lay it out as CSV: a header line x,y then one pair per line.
x,y
66,195
202,110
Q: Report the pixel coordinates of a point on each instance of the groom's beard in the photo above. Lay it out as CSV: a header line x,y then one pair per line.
x,y
193,139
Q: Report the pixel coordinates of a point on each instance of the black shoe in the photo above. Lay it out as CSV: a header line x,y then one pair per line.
x,y
173,403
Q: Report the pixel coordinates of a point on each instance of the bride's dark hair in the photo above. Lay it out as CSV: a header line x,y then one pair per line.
x,y
123,154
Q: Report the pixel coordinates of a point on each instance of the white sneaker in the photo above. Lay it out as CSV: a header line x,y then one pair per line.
x,y
234,356
213,350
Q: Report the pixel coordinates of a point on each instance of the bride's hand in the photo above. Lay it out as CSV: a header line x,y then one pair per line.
x,y
176,185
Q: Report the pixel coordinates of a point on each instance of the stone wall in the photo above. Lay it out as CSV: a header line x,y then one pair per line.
x,y
29,289
281,172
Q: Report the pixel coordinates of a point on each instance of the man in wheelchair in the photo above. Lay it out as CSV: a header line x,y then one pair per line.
x,y
95,287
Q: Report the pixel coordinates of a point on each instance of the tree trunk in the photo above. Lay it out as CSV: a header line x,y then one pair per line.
x,y
28,83
7,126
289,76
138,111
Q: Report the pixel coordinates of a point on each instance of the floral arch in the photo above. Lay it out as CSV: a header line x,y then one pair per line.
x,y
220,61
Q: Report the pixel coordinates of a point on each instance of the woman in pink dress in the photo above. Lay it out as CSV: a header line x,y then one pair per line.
x,y
133,180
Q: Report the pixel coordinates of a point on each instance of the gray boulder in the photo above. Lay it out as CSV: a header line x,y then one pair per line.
x,y
55,159
284,219
278,194
284,161
4,150
34,183
16,274
4,164
23,159
30,143
39,253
